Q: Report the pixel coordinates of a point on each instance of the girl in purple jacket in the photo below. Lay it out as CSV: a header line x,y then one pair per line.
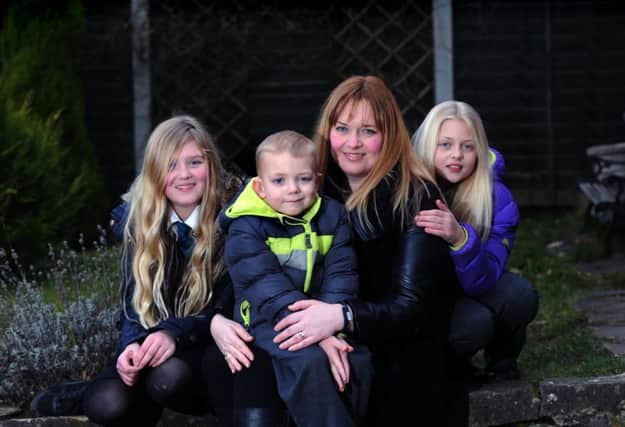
x,y
479,220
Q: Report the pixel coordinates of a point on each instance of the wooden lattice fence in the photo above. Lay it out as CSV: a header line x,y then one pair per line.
x,y
248,70
394,42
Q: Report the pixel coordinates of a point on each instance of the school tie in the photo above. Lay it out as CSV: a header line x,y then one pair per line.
x,y
184,238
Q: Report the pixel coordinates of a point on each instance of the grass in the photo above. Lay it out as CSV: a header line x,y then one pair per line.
x,y
560,343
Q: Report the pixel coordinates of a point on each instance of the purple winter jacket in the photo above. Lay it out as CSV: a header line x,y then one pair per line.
x,y
479,264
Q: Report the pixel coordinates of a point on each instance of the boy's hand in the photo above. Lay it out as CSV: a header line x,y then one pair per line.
x,y
442,223
231,339
336,349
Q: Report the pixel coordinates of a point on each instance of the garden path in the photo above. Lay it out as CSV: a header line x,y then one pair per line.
x,y
605,310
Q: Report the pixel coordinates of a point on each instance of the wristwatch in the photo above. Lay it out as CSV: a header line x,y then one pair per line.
x,y
348,319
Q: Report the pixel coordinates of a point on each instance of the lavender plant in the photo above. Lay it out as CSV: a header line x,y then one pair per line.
x,y
58,323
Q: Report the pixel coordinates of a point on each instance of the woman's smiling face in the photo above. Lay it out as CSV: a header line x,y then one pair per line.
x,y
356,141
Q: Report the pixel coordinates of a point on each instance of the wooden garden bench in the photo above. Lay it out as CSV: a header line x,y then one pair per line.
x,y
606,190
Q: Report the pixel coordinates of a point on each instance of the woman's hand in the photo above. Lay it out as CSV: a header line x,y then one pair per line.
x,y
231,339
442,223
155,349
311,322
336,349
126,367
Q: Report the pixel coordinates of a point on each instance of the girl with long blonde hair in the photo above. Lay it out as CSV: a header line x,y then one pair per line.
x,y
173,336
478,219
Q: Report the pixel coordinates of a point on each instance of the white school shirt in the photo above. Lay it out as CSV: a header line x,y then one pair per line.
x,y
192,221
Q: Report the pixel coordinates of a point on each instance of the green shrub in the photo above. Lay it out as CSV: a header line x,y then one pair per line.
x,y
33,193
43,142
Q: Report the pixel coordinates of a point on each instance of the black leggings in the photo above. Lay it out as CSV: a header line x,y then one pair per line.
x,y
179,384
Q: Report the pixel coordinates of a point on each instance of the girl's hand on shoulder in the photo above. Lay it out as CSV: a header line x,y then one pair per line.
x,y
156,349
125,365
231,339
336,349
441,222
310,322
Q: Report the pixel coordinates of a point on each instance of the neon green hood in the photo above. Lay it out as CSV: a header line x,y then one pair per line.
x,y
250,203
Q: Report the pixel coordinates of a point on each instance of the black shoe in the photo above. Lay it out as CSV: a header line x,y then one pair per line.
x,y
461,368
60,399
261,417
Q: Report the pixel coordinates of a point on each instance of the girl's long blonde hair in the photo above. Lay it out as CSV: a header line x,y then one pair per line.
x,y
147,228
472,200
396,152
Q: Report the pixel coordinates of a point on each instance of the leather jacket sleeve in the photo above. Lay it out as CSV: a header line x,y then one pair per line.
x,y
419,272
415,281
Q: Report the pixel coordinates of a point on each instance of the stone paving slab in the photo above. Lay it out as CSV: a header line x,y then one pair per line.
x,y
168,419
596,401
503,403
613,264
7,411
605,311
47,422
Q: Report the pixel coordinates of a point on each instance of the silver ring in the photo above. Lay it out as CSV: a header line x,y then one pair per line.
x,y
226,356
301,334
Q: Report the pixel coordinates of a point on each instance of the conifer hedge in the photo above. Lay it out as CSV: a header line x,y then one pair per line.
x,y
50,188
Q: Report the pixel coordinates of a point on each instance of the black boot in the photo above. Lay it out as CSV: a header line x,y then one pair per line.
x,y
261,417
60,399
503,370
461,368
502,354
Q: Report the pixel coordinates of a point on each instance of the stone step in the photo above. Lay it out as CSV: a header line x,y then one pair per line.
x,y
597,402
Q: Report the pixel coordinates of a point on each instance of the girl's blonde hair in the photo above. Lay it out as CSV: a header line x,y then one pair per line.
x,y
396,155
471,200
147,227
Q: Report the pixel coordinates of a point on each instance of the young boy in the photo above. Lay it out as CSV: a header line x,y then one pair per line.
x,y
287,243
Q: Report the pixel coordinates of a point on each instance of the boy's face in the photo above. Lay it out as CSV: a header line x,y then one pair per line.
x,y
287,183
186,179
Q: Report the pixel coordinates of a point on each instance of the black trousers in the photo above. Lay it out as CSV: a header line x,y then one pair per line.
x,y
496,321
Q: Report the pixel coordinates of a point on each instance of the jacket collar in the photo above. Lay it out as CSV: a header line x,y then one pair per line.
x,y
249,203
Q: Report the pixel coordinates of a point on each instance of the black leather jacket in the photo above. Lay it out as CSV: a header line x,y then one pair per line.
x,y
407,279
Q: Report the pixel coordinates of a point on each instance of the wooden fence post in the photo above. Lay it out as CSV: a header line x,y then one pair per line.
x,y
140,23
